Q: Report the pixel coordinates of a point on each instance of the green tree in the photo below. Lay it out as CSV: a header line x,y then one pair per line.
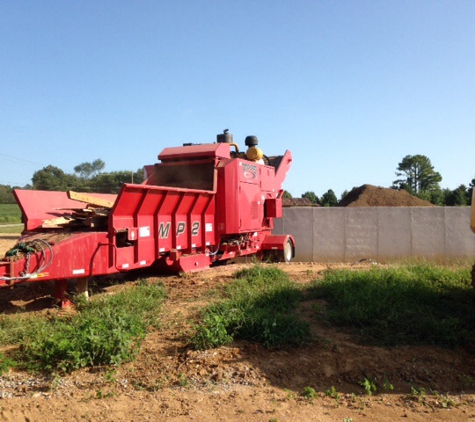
x,y
329,199
417,175
458,197
89,170
6,195
438,196
287,195
345,192
112,182
53,178
312,197
90,179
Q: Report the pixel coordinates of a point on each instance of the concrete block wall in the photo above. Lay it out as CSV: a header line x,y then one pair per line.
x,y
380,233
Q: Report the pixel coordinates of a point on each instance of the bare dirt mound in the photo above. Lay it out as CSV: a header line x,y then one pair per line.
x,y
374,196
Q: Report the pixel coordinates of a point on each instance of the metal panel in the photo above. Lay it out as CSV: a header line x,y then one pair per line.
x,y
251,207
220,150
164,219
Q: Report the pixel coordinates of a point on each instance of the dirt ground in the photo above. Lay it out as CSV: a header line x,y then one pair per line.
x,y
170,381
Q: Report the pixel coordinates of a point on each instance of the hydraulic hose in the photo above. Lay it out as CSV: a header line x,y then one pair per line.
x,y
43,263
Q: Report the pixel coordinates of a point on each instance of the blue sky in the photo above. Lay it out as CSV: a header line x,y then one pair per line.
x,y
350,87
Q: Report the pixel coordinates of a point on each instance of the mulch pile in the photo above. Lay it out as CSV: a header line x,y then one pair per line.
x,y
298,202
373,196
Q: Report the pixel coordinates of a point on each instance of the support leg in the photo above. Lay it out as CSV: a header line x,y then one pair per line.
x,y
82,287
61,293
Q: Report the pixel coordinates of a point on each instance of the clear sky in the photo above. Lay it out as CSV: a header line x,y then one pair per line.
x,y
350,87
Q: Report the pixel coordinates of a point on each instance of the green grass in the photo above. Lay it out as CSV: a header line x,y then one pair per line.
x,y
17,229
6,363
10,214
105,331
411,304
400,305
259,306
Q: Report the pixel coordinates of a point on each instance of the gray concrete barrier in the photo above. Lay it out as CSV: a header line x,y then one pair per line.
x,y
379,233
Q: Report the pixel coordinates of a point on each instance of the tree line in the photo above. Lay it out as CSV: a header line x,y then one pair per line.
x,y
415,173
87,177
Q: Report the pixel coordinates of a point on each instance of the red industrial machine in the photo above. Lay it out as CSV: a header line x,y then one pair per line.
x,y
203,204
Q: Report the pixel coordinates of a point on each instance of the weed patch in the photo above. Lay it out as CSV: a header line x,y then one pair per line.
x,y
105,331
6,363
309,393
413,304
258,306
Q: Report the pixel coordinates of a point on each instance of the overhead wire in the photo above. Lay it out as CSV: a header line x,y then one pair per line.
x,y
19,161
3,182
12,158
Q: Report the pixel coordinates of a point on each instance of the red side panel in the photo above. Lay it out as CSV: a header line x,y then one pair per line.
x,y
69,255
148,221
244,187
227,194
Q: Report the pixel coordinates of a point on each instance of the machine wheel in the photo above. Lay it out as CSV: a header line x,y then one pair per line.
x,y
285,255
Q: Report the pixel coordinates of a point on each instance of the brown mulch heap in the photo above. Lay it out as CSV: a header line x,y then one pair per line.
x,y
374,196
298,202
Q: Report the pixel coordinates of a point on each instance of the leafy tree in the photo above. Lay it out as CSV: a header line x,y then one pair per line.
x,y
329,199
89,180
53,178
138,176
6,195
312,197
438,196
418,175
345,192
88,170
458,197
113,181
287,195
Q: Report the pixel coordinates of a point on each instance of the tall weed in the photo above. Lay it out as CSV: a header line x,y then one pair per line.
x,y
105,331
